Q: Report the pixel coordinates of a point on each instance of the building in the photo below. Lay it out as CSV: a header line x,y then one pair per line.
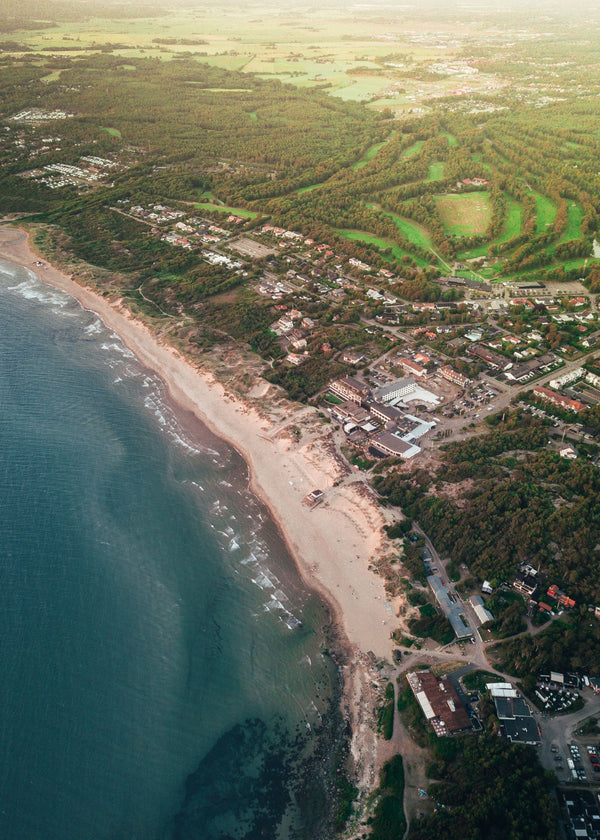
x,y
439,703
493,360
353,358
526,582
557,399
413,368
395,390
350,388
517,724
450,607
454,376
567,378
481,612
561,597
385,413
390,445
350,412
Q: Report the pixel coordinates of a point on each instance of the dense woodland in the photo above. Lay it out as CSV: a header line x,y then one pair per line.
x,y
488,790
500,500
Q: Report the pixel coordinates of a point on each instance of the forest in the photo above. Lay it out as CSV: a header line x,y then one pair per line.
x,y
500,500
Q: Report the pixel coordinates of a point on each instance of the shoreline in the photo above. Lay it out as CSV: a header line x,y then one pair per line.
x,y
332,545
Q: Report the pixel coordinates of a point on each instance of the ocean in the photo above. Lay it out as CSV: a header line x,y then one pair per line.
x,y
164,671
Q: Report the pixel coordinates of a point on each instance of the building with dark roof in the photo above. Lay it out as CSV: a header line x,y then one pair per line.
x,y
439,702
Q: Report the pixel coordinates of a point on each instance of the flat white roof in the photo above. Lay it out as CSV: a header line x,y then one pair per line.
x,y
425,705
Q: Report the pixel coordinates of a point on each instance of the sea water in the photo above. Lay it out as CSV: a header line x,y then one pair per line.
x,y
162,666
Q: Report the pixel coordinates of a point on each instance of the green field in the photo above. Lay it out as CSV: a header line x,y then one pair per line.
x,y
369,155
436,171
221,208
114,132
464,215
452,141
573,228
545,211
413,231
514,219
383,244
309,189
413,150
512,228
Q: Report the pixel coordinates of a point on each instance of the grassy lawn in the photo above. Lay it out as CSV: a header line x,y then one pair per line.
x,y
573,228
379,242
369,154
464,215
545,211
308,189
413,150
512,228
452,141
436,171
514,218
413,231
221,208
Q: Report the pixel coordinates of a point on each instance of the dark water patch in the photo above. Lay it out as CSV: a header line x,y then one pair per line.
x,y
145,603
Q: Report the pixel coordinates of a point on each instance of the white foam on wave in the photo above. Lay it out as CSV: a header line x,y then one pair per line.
x,y
117,347
34,289
95,328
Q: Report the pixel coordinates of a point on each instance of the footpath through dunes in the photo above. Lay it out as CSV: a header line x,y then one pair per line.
x,y
288,454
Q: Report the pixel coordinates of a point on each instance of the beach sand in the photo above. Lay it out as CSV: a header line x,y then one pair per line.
x,y
333,544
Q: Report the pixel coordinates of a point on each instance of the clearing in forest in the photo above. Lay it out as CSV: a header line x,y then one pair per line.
x,y
436,171
573,228
369,155
379,242
545,211
464,215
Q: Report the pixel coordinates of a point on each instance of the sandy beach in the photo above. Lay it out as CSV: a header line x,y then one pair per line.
x,y
334,543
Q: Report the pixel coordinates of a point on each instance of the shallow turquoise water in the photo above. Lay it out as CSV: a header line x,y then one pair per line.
x,y
162,674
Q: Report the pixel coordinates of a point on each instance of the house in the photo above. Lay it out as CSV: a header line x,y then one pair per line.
x,y
526,582
560,596
352,357
568,452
